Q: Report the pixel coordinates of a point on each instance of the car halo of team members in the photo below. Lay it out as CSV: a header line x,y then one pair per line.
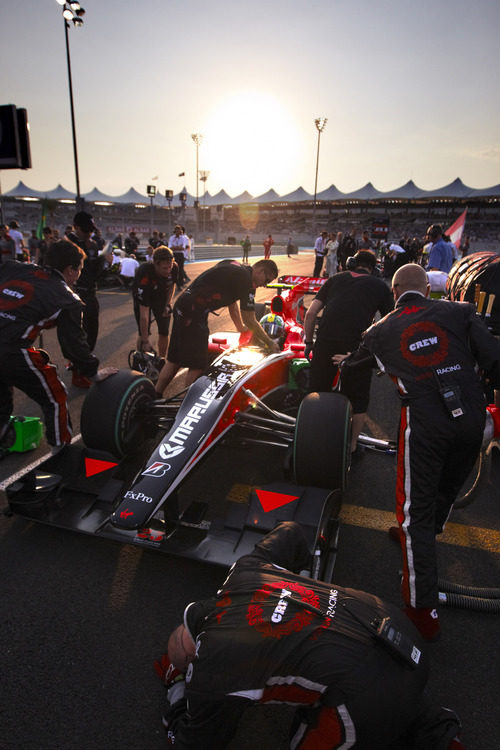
x,y
353,665
434,351
34,298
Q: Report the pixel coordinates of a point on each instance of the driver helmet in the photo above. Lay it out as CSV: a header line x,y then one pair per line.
x,y
273,325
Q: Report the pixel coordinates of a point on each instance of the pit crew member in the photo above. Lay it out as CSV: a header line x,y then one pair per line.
x,y
94,265
432,350
153,289
273,636
32,299
220,286
349,301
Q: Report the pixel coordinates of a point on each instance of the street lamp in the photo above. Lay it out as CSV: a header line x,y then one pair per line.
x,y
204,177
72,12
169,195
320,123
183,199
151,190
197,138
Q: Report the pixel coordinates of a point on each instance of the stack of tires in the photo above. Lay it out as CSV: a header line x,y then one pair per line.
x,y
478,274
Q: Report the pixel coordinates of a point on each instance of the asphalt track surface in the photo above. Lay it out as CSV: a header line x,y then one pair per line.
x,y
82,619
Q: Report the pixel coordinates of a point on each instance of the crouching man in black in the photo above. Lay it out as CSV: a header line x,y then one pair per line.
x,y
272,635
33,299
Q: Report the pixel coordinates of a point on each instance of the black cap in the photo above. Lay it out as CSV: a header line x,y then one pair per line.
x,y
364,258
85,221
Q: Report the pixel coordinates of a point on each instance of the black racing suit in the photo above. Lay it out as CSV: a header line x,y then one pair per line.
x,y
32,299
86,287
350,301
152,291
219,286
272,636
429,346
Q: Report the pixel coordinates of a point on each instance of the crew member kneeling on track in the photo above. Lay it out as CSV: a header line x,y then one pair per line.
x,y
271,635
31,299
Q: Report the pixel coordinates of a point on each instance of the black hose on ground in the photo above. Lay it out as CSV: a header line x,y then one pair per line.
x,y
458,588
474,603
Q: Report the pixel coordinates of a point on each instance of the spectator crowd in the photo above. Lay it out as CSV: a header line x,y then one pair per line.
x,y
434,252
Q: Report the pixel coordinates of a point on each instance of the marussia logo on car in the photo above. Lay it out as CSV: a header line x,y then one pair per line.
x,y
191,419
167,451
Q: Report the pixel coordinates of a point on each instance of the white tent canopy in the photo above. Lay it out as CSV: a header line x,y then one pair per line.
x,y
409,191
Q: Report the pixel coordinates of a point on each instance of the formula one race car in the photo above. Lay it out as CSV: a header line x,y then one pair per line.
x,y
206,473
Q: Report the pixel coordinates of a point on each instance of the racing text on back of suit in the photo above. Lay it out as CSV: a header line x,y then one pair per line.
x,y
271,635
33,299
429,348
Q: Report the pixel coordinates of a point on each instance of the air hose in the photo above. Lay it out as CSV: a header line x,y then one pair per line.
x,y
475,598
458,588
474,603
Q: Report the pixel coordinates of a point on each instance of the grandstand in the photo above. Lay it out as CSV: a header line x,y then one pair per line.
x,y
220,218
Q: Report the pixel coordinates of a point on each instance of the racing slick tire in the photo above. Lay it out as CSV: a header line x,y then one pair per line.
x,y
108,420
261,309
322,441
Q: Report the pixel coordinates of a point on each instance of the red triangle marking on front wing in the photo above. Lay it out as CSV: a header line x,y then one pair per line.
x,y
95,466
273,500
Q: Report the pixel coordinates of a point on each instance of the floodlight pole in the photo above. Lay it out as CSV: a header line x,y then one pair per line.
x,y
320,123
204,177
72,107
151,191
72,11
197,138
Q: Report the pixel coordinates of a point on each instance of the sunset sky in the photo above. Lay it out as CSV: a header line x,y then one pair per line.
x,y
410,90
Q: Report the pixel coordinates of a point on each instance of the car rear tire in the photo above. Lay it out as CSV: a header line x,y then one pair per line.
x,y
109,420
261,309
322,441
